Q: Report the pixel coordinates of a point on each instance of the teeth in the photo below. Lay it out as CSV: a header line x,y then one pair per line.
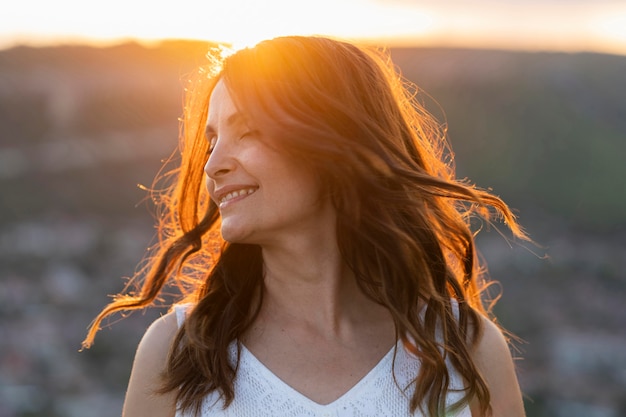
x,y
237,193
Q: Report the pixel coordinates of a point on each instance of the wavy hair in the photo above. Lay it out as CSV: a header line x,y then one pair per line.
x,y
403,219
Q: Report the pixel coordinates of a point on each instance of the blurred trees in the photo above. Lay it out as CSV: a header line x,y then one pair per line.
x,y
547,131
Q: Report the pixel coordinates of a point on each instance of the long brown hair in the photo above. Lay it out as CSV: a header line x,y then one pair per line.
x,y
403,219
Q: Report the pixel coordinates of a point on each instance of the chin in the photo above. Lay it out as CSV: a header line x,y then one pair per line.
x,y
231,237
233,234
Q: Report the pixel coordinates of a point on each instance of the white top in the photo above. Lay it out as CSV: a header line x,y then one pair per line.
x,y
260,393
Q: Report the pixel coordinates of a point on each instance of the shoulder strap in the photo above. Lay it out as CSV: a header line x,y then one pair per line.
x,y
181,312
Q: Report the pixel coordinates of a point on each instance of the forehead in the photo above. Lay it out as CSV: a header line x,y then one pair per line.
x,y
221,105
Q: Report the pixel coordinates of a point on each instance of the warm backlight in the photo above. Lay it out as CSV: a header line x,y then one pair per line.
x,y
546,24
239,22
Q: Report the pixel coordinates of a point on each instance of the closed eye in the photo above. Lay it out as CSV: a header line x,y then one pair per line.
x,y
212,142
211,137
250,134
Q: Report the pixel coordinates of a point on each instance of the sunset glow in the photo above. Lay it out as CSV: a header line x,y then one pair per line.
x,y
610,26
540,24
239,22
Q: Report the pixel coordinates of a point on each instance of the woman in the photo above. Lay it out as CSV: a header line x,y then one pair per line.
x,y
330,269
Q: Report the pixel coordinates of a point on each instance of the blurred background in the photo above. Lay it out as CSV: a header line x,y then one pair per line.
x,y
533,94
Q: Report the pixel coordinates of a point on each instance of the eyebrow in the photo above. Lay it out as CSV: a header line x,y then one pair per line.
x,y
236,118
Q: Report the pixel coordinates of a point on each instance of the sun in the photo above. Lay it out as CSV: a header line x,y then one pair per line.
x,y
243,23
610,29
235,22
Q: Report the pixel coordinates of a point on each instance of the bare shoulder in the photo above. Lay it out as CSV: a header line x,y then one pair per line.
x,y
493,358
145,379
159,336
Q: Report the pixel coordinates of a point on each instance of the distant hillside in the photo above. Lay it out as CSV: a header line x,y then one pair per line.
x,y
547,131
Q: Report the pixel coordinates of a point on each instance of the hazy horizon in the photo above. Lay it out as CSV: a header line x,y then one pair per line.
x,y
544,25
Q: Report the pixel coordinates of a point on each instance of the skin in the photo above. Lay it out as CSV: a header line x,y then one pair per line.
x,y
285,200
316,331
493,359
149,362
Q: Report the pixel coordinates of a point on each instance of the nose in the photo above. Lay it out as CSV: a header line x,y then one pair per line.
x,y
220,162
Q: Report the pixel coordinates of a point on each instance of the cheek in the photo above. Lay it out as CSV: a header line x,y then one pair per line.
x,y
305,188
209,185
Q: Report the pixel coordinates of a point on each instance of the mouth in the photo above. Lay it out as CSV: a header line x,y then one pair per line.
x,y
235,195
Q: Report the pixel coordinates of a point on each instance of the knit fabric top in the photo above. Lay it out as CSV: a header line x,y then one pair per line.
x,y
260,393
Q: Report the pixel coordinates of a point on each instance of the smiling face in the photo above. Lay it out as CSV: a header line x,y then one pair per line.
x,y
263,196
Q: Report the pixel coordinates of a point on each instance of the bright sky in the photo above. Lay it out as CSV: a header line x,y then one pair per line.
x,y
571,25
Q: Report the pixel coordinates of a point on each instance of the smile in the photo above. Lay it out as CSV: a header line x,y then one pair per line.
x,y
234,194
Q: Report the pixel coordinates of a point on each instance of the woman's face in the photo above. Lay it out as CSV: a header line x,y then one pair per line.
x,y
263,196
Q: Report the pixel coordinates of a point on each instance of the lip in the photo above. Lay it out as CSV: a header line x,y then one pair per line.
x,y
220,193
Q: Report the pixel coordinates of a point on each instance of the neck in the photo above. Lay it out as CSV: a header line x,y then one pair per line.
x,y
308,284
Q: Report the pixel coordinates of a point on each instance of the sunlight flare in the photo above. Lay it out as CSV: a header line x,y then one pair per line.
x,y
237,22
610,28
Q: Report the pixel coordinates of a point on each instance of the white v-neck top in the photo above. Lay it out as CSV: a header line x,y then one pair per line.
x,y
260,393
